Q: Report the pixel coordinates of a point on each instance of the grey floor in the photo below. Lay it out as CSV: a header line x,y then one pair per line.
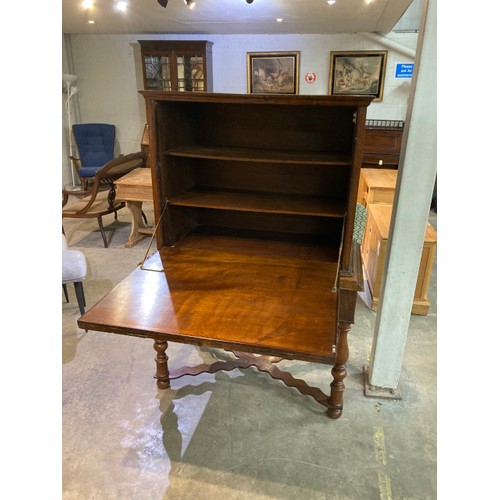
x,y
237,435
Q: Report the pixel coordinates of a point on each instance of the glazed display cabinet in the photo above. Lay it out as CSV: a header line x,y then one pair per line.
x,y
177,65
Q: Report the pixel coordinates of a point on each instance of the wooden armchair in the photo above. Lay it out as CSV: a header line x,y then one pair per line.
x,y
99,200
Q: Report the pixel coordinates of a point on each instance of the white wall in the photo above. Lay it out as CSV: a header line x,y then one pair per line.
x,y
109,73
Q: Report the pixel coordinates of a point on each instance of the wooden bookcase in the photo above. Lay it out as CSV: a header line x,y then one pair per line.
x,y
255,197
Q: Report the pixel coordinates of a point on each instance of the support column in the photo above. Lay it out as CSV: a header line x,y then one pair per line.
x,y
417,173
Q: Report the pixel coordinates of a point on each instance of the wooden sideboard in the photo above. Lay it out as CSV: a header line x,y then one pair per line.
x,y
255,198
374,249
382,145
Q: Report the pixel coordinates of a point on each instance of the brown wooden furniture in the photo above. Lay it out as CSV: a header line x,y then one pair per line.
x,y
374,250
376,185
145,143
100,199
382,143
255,197
177,65
134,189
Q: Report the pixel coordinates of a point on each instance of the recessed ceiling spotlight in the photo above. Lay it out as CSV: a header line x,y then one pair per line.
x,y
330,2
190,3
279,20
91,21
122,5
88,4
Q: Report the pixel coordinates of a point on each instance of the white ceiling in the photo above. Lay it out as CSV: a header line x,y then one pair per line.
x,y
234,16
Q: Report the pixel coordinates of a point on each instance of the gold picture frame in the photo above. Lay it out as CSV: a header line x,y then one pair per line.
x,y
358,73
273,72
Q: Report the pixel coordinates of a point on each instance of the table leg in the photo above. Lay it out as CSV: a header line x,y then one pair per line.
x,y
339,373
135,208
162,374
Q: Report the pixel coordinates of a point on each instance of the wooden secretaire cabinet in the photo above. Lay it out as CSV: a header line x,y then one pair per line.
x,y
255,198
177,65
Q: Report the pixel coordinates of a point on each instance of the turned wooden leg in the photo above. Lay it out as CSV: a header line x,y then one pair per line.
x,y
339,373
162,376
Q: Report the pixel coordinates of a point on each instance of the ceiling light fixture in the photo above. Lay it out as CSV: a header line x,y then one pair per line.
x,y
330,2
279,20
190,3
88,4
122,5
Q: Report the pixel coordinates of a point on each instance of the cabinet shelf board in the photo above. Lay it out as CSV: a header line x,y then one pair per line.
x,y
262,155
261,203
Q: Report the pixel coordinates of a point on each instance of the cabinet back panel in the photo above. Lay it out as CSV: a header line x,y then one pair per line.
x,y
180,174
294,128
309,180
184,219
176,122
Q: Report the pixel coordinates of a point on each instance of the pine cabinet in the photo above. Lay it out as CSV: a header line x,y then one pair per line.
x,y
374,249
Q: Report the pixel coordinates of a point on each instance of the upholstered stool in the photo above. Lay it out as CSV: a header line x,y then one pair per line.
x,y
74,270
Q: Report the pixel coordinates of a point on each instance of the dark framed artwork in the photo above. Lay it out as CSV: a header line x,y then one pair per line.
x,y
273,72
358,73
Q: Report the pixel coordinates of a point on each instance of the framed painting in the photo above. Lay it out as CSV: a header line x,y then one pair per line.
x,y
273,72
358,73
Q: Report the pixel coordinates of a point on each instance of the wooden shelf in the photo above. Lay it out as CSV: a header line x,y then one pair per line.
x,y
260,203
262,155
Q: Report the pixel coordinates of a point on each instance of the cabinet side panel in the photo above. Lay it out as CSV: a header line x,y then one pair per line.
x,y
357,151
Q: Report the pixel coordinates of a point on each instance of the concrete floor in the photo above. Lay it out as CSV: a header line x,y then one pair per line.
x,y
237,435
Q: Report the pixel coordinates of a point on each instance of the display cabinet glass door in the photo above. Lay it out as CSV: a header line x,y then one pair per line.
x,y
190,74
158,75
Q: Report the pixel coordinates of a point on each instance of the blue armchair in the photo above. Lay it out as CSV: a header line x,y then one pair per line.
x,y
95,143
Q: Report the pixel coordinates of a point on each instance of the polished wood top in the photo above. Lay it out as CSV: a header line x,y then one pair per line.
x,y
135,186
286,99
239,300
382,212
380,178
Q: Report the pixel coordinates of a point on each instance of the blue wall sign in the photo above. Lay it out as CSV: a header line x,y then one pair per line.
x,y
404,70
